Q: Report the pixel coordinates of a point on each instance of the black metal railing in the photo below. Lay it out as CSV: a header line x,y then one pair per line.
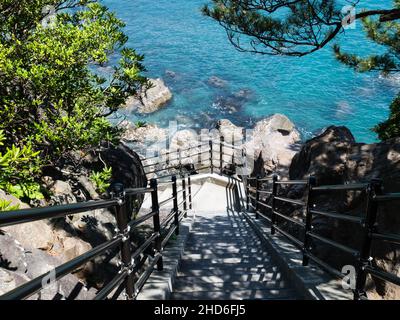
x,y
368,223
208,155
261,196
130,275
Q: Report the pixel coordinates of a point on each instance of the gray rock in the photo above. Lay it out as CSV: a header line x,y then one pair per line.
x,y
12,254
10,279
62,193
87,185
32,235
151,99
214,81
61,188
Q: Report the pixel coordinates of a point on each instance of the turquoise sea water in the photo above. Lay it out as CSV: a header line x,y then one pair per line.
x,y
186,49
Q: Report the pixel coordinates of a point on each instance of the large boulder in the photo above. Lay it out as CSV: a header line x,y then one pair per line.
x,y
151,99
37,234
335,158
144,135
276,141
39,263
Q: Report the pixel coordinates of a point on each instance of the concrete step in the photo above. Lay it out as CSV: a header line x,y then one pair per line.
x,y
225,255
267,294
187,284
196,269
238,261
210,276
204,244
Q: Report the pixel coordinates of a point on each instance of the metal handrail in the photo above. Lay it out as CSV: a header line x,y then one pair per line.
x,y
338,216
350,186
292,201
125,227
9,218
374,197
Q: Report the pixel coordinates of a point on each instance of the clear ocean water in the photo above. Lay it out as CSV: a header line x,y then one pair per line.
x,y
186,49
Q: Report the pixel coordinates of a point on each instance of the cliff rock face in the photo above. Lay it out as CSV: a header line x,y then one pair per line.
x,y
335,158
30,249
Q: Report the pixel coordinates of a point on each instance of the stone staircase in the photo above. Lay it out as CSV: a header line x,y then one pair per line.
x,y
224,259
222,256
224,253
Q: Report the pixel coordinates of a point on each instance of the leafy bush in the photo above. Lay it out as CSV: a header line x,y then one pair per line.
x,y
140,124
53,101
18,169
5,205
391,127
101,179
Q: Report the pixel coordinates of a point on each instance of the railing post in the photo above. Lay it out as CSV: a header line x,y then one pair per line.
x,y
233,149
175,202
184,196
190,192
308,225
258,185
369,226
273,203
221,153
211,155
122,218
156,220
180,161
200,154
247,196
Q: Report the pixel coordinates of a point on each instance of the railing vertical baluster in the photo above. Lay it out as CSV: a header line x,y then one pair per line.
x,y
180,161
233,149
190,192
184,195
374,188
122,218
156,220
258,187
221,153
211,156
200,154
247,196
175,202
308,225
273,203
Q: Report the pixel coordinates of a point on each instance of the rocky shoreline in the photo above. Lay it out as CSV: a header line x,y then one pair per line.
x,y
275,146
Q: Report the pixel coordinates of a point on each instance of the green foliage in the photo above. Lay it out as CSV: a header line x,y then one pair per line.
x,y
18,169
52,98
391,127
102,179
6,205
140,124
298,28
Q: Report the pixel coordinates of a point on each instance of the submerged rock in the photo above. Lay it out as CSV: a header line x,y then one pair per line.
x,y
151,99
216,82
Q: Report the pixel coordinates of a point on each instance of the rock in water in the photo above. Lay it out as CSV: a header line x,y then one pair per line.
x,y
152,99
214,81
276,140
